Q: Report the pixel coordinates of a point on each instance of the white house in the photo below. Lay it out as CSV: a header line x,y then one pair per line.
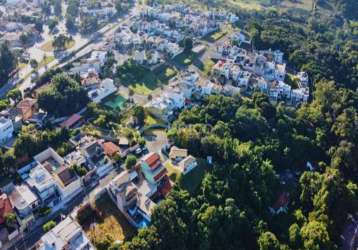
x,y
68,234
105,88
44,185
187,164
24,202
68,184
94,153
130,200
6,129
139,56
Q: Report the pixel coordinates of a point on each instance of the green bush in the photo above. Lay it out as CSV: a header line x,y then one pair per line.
x,y
49,225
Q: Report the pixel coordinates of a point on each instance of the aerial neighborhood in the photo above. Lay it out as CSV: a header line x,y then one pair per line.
x,y
109,116
97,158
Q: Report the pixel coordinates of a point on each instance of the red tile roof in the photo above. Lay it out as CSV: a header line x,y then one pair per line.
x,y
165,189
110,148
5,207
71,121
160,174
151,159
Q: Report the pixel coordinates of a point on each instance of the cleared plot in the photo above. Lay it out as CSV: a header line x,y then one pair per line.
x,y
47,47
109,224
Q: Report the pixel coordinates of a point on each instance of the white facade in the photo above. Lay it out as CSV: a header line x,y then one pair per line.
x,y
6,129
68,234
105,89
52,177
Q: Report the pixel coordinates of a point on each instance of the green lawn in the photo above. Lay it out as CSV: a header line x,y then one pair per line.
x,y
46,61
173,172
207,66
141,80
192,180
217,35
151,120
165,73
69,44
185,59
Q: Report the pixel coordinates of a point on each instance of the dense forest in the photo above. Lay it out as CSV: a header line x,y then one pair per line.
x,y
262,151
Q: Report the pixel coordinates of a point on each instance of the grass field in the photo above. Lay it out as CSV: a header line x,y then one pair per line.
x,y
207,66
140,88
70,44
185,59
151,120
173,172
192,180
46,60
165,73
142,80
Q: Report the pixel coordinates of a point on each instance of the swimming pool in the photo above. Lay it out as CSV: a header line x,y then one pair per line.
x,y
143,223
116,102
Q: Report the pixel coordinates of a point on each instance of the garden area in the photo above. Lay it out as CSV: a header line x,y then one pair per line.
x,y
141,80
104,224
192,180
185,59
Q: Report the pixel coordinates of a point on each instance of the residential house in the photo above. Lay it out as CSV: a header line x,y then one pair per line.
x,y
110,149
300,95
6,129
105,89
5,208
152,168
135,205
68,235
43,185
67,182
96,158
90,78
6,234
139,56
27,108
187,164
177,154
24,202
180,158
165,105
73,121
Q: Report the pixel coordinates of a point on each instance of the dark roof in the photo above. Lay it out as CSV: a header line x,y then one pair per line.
x,y
67,176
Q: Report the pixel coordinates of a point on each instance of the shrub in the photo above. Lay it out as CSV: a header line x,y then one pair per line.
x,y
49,225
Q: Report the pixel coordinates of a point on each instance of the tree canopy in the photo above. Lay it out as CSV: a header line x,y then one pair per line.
x,y
64,97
